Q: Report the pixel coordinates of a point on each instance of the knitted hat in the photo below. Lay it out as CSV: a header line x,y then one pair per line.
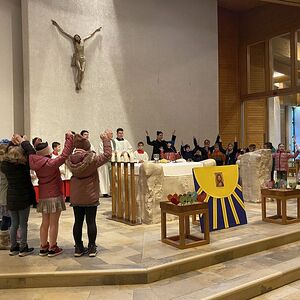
x,y
43,149
81,143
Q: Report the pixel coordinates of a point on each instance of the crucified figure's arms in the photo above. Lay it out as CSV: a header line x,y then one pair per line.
x,y
61,30
92,34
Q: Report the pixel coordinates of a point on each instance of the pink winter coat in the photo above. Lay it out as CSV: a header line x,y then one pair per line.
x,y
281,160
47,171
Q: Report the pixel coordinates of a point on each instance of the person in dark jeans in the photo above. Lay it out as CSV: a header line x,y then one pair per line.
x,y
20,196
85,190
5,222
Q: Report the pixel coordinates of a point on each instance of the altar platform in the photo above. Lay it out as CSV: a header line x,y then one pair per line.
x,y
135,255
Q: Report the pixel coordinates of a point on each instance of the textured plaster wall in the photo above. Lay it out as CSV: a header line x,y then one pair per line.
x,y
11,70
153,66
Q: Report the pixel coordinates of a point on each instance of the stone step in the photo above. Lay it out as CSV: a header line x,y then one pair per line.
x,y
287,292
241,278
249,276
144,275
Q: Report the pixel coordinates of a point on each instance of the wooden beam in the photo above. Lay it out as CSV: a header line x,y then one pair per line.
x,y
284,2
279,92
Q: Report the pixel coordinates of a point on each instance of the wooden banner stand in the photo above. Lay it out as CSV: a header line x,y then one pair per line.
x,y
124,208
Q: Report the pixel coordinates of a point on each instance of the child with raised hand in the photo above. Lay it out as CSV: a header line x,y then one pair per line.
x,y
20,194
85,191
51,202
218,156
230,152
186,152
281,160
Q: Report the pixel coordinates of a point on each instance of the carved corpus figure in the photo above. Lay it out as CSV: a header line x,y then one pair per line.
x,y
78,58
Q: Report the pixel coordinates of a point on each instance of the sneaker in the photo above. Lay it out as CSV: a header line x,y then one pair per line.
x,y
92,251
25,251
55,251
14,250
44,250
80,250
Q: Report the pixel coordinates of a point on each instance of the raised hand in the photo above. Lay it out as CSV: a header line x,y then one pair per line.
x,y
109,134
69,134
147,133
174,131
17,139
54,23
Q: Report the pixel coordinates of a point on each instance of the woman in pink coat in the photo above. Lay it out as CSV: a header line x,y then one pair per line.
x,y
51,201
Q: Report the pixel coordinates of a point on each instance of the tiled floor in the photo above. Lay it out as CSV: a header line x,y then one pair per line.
x,y
124,246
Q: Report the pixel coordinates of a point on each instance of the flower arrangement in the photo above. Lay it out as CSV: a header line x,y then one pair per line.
x,y
187,199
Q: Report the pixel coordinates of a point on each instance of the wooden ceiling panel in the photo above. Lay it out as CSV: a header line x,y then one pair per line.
x,y
244,5
240,5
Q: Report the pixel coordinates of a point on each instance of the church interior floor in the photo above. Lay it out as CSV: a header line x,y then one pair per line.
x,y
134,247
206,283
124,246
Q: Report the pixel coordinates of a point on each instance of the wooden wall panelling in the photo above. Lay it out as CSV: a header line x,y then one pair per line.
x,y
229,103
255,122
261,24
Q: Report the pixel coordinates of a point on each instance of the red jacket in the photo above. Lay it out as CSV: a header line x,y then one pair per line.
x,y
281,160
85,190
47,171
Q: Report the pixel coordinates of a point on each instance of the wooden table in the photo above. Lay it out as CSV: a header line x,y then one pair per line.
x,y
281,196
184,239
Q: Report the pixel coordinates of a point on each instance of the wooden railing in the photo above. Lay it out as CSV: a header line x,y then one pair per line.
x,y
124,206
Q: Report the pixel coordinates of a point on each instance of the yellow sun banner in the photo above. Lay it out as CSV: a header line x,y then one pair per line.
x,y
220,188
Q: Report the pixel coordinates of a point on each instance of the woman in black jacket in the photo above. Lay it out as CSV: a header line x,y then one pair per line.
x,y
20,195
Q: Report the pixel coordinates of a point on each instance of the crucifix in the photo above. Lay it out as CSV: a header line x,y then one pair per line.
x,y
78,58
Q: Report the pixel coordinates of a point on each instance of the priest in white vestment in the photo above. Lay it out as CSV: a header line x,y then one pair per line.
x,y
122,145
